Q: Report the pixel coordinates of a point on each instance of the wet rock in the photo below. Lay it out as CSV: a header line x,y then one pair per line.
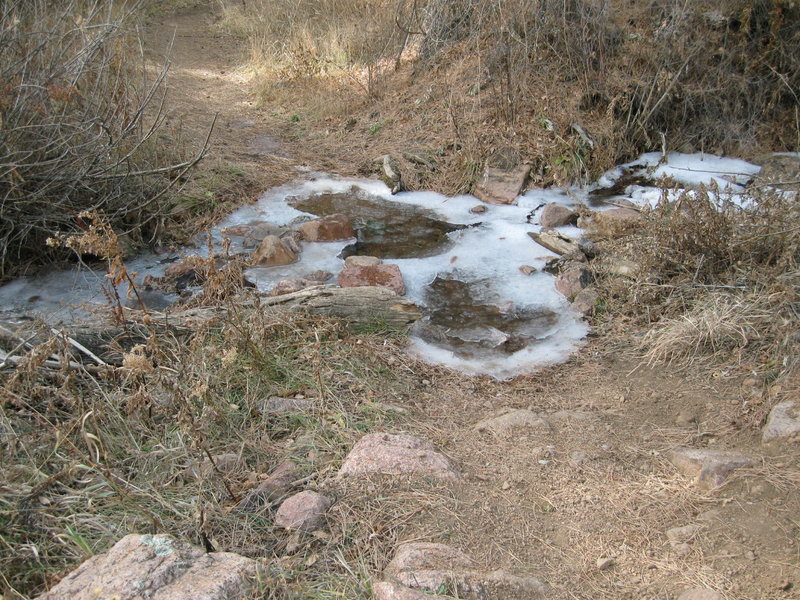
x,y
556,215
390,590
708,468
274,251
291,285
279,406
585,301
700,594
304,511
150,299
572,280
387,276
516,419
158,567
180,269
502,185
389,454
527,270
319,276
555,242
362,261
479,209
277,485
253,232
328,229
783,421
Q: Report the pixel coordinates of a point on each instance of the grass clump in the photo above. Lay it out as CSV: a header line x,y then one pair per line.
x,y
714,278
171,438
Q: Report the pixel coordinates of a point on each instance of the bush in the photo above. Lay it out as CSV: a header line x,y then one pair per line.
x,y
78,114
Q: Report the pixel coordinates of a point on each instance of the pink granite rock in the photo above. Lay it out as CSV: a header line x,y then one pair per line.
x,y
158,567
304,511
390,454
328,229
387,276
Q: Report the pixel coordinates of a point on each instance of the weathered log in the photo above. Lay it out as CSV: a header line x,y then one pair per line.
x,y
106,341
366,305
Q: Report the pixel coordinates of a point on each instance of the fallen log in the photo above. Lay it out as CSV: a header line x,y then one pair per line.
x,y
101,340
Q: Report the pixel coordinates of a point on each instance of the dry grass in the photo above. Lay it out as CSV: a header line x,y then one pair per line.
x,y
90,453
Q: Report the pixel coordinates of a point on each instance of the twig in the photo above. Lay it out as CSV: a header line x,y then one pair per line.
x,y
80,347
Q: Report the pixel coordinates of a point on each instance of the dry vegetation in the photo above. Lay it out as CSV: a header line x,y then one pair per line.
x,y
451,82
81,119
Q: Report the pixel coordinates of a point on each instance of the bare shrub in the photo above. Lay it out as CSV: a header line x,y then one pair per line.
x,y
79,113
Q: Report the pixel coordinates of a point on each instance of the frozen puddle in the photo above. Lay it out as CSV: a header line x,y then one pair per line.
x,y
483,315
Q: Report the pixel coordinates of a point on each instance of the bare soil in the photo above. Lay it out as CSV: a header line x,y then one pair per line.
x,y
529,501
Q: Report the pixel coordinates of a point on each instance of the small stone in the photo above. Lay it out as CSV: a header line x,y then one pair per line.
x,y
319,276
578,458
274,251
681,549
708,468
556,215
273,488
328,229
388,276
585,301
304,511
682,534
700,594
478,210
686,418
362,261
291,285
515,419
390,454
280,406
527,269
506,485
572,280
604,563
222,463
783,421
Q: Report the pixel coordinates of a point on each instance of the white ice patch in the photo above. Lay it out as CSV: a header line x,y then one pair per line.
x,y
491,249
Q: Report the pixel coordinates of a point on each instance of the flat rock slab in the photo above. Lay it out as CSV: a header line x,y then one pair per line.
x,y
328,229
516,419
282,406
708,468
304,511
783,421
387,276
700,594
391,590
502,186
158,567
389,454
434,567
555,242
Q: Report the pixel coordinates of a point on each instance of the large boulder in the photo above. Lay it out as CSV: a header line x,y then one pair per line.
x,y
274,252
332,228
388,454
158,567
387,276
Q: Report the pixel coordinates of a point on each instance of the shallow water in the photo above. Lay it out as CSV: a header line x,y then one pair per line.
x,y
483,315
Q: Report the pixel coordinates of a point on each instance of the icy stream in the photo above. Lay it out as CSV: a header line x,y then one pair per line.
x,y
484,316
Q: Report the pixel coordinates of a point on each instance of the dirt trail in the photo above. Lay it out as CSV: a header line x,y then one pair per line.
x,y
594,491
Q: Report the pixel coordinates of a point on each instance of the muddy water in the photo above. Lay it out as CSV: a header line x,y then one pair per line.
x,y
384,229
